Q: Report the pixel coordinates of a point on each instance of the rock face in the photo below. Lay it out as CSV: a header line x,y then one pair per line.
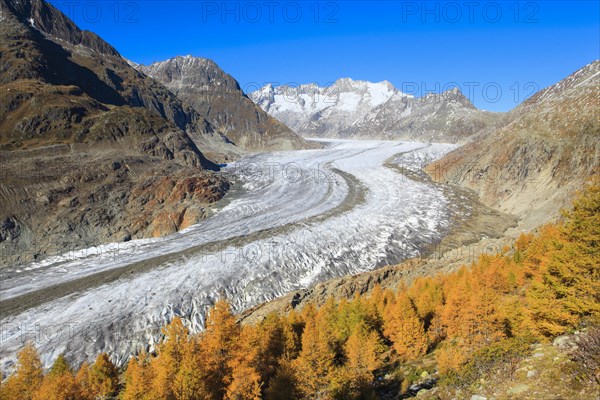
x,y
549,147
201,84
82,133
360,109
57,90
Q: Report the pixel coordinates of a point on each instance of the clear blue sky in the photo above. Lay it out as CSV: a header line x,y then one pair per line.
x,y
419,46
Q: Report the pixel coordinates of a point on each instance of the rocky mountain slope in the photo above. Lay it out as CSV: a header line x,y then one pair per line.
x,y
59,82
360,109
558,129
201,84
548,148
85,141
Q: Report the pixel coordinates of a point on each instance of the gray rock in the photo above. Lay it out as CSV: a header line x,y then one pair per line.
x,y
518,389
563,341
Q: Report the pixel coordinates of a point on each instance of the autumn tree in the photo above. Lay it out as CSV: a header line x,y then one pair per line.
x,y
450,356
166,364
404,329
354,379
82,379
218,345
188,382
284,385
568,287
103,377
28,377
316,360
481,315
138,379
59,383
267,343
426,295
245,383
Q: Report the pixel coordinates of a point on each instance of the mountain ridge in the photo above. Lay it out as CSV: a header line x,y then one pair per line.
x,y
202,85
361,109
93,151
547,149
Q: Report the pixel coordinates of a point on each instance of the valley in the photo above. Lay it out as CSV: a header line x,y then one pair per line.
x,y
171,232
292,219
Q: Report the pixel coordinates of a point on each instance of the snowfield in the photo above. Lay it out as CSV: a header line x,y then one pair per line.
x,y
291,220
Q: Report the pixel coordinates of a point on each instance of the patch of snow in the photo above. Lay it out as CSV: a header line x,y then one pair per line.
x,y
348,102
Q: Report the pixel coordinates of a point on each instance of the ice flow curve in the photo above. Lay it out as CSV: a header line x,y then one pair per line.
x,y
290,225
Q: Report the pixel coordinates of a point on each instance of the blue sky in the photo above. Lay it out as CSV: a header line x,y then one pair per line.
x,y
498,53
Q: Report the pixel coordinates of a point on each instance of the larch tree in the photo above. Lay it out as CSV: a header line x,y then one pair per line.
x,y
188,382
28,377
403,327
59,383
284,385
568,286
427,295
138,379
82,378
452,323
165,365
362,350
245,383
450,356
250,355
103,377
218,345
316,360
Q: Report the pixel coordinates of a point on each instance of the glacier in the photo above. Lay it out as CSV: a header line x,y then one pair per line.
x,y
291,220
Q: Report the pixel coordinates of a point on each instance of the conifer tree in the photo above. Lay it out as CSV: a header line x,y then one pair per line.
x,y
59,383
219,343
83,382
188,382
138,379
170,354
284,385
103,377
354,379
403,327
316,359
27,379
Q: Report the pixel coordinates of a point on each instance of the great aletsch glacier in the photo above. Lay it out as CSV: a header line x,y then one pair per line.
x,y
288,225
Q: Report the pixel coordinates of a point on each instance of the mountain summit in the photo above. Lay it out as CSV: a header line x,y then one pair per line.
x,y
216,95
360,109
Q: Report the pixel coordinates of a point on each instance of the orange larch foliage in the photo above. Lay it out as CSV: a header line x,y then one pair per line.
x,y
103,377
404,328
28,377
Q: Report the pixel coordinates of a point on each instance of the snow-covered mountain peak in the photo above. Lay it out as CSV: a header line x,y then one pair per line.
x,y
356,108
